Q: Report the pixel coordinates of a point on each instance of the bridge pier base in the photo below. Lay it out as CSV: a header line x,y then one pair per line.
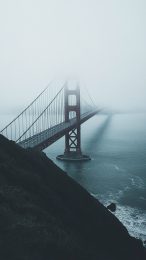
x,y
73,137
74,157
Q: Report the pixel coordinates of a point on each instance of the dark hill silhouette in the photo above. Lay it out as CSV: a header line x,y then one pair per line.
x,y
45,215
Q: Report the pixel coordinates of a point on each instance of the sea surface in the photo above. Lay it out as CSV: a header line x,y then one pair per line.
x,y
117,170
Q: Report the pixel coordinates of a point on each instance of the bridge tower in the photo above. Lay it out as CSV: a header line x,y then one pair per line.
x,y
73,137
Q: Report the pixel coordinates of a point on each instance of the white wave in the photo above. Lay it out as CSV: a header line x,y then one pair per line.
x,y
137,182
134,220
117,168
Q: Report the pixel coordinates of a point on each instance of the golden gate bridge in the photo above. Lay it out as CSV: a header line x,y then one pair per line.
x,y
56,112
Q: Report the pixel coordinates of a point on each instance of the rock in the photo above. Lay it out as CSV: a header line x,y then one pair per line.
x,y
112,207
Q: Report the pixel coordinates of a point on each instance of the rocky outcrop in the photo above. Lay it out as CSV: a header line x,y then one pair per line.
x,y
45,215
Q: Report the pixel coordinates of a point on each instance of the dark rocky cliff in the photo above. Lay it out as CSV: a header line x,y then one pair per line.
x,y
45,215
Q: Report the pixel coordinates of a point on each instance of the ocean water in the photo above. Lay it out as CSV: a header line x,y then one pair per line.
x,y
117,170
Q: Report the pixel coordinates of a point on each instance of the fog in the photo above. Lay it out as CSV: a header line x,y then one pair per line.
x,y
100,43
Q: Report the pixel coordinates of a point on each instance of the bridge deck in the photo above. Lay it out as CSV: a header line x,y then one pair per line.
x,y
47,137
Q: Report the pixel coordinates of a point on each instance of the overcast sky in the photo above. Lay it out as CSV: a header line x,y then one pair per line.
x,y
102,43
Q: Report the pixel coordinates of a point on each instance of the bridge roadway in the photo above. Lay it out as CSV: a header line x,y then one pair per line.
x,y
47,137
